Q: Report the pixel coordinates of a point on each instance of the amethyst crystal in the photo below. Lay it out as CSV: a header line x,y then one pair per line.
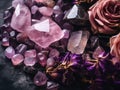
x,y
40,79
5,41
30,53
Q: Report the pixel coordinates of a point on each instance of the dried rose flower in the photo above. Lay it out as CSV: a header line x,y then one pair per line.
x,y
104,16
115,45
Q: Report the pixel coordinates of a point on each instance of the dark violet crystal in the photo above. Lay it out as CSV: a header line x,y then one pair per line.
x,y
76,15
40,79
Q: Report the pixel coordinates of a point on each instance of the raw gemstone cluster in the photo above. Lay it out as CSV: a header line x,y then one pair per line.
x,y
60,42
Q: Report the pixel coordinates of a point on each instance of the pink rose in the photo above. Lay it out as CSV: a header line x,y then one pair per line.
x,y
115,45
104,16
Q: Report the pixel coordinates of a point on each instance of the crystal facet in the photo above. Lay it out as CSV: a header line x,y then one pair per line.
x,y
21,48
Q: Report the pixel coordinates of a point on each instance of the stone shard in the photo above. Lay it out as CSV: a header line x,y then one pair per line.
x,y
78,41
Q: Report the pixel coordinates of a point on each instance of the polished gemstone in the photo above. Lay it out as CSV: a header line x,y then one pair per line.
x,y
9,52
78,41
17,59
54,53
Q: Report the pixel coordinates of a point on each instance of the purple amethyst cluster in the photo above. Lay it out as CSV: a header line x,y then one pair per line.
x,y
59,42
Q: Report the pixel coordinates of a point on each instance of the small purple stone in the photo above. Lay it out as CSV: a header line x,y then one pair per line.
x,y
30,53
54,53
5,41
21,48
30,61
17,59
42,59
40,79
9,52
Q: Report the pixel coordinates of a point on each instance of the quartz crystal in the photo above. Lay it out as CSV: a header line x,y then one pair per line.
x,y
78,41
76,15
9,52
44,37
40,79
50,62
17,59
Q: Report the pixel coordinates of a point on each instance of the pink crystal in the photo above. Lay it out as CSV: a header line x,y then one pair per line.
x,y
78,42
30,53
44,38
30,61
9,52
40,79
17,59
46,11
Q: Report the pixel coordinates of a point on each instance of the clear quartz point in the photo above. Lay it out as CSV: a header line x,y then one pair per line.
x,y
78,41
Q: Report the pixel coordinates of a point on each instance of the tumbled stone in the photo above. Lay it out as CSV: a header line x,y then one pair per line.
x,y
5,41
17,59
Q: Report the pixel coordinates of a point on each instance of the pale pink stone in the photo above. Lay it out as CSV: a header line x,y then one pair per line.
x,y
9,52
46,11
30,53
21,18
5,41
17,59
44,38
30,61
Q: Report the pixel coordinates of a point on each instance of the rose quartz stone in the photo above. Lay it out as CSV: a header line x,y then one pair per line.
x,y
17,59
